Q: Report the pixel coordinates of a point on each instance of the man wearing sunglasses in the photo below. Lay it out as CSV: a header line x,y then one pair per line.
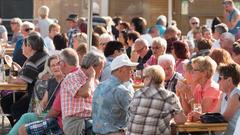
x,y
231,16
194,23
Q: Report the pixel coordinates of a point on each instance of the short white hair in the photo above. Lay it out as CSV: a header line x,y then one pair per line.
x,y
160,41
142,41
43,10
166,58
194,18
28,25
228,36
105,38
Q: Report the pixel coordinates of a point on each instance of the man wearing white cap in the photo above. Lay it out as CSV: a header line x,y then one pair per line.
x,y
112,97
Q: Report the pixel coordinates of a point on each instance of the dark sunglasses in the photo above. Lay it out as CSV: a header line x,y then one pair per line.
x,y
194,23
221,78
28,29
226,3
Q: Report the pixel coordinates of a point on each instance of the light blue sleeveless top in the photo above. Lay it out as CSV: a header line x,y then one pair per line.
x,y
224,103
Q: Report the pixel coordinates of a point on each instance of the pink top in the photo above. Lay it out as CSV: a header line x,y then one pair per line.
x,y
57,107
72,105
210,90
151,61
179,65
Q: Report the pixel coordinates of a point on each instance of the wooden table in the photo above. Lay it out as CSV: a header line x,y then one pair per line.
x,y
13,87
7,51
200,127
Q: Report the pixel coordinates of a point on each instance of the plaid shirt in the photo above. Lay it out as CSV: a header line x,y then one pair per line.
x,y
151,111
171,84
71,105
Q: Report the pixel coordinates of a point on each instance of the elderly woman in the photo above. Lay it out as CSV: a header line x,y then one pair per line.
x,y
33,49
49,95
230,103
185,87
206,93
181,53
26,28
153,107
159,46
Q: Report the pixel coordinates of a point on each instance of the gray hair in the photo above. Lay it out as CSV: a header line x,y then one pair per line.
x,y
194,18
92,59
166,57
160,41
228,36
27,24
70,56
142,41
17,20
221,28
43,10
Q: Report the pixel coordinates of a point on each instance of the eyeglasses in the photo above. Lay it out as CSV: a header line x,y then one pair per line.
x,y
28,29
60,62
196,70
194,23
226,3
221,78
139,50
13,23
156,48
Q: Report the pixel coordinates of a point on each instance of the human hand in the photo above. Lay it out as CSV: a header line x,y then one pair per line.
x,y
195,116
90,72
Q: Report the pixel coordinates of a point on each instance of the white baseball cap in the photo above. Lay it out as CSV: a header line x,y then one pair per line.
x,y
120,61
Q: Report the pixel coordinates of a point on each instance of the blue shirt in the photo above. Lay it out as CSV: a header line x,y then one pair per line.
x,y
17,53
106,73
111,100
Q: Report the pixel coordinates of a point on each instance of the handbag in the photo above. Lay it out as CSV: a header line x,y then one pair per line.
x,y
212,118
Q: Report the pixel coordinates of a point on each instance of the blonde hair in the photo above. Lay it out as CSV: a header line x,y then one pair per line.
x,y
156,73
205,63
43,11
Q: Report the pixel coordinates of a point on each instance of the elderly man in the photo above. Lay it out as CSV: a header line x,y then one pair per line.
x,y
112,97
75,93
219,30
141,48
231,16
167,62
194,23
33,50
226,41
16,24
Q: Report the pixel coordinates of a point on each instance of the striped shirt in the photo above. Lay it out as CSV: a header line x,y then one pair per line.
x,y
31,68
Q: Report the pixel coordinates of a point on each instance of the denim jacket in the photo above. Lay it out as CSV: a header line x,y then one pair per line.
x,y
111,100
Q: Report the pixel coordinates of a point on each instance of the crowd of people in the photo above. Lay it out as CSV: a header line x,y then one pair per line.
x,y
70,88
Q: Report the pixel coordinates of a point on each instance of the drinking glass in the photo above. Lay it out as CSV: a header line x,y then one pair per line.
x,y
138,77
197,107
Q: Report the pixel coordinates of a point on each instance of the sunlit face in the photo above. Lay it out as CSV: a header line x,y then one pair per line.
x,y
157,50
223,83
55,68
168,69
207,35
126,73
54,31
26,50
